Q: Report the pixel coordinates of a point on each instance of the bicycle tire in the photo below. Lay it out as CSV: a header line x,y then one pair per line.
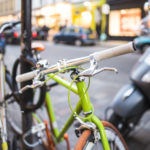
x,y
42,91
22,122
13,144
86,140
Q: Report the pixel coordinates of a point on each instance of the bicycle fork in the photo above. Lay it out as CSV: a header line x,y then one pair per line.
x,y
88,112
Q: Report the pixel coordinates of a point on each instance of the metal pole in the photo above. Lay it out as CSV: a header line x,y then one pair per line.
x,y
26,97
26,13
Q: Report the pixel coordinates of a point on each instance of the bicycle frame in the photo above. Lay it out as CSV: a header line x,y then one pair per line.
x,y
3,126
84,104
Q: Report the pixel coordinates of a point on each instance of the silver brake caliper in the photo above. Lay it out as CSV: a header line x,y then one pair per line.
x,y
85,125
96,136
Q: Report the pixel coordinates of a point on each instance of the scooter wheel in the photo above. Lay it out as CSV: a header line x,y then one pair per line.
x,y
121,124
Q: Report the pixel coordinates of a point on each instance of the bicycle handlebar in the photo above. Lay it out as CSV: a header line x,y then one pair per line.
x,y
27,76
112,52
116,51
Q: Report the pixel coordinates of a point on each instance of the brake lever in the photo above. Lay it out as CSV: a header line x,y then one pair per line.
x,y
34,85
90,73
93,68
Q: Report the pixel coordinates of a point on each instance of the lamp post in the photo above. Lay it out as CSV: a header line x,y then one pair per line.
x,y
27,96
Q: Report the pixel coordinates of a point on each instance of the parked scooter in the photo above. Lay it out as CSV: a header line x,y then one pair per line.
x,y
143,31
133,100
143,43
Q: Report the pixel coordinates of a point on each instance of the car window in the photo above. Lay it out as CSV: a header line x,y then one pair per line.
x,y
64,30
87,30
72,30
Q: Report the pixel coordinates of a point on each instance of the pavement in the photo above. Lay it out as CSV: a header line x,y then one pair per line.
x,y
102,90
111,43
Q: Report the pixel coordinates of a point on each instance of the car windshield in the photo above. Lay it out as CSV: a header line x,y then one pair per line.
x,y
76,30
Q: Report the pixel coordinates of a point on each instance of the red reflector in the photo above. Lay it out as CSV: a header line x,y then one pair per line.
x,y
2,35
34,34
16,34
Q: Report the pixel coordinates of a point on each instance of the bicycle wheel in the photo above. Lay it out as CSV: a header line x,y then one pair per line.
x,y
14,118
13,115
87,140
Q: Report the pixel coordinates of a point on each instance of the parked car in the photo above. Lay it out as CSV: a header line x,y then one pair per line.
x,y
13,35
2,43
75,35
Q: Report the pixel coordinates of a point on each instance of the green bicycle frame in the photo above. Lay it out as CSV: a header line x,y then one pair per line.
x,y
83,104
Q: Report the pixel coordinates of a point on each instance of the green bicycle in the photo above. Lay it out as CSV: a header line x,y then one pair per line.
x,y
93,133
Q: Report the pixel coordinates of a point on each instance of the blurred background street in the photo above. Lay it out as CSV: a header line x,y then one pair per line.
x,y
103,87
75,28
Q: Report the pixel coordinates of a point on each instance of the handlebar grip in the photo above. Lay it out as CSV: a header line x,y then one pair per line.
x,y
116,51
26,76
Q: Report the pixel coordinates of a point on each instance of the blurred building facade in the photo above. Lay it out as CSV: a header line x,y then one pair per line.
x,y
53,14
120,24
57,13
88,13
43,11
7,10
124,18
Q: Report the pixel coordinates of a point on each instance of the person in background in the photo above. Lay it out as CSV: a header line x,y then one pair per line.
x,y
98,30
63,26
98,19
45,30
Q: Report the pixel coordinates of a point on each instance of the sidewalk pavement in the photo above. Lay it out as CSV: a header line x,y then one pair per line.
x,y
111,43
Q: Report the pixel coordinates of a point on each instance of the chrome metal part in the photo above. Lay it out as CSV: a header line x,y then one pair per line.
x,y
44,64
84,126
128,93
61,63
87,113
93,68
69,63
37,129
34,85
87,125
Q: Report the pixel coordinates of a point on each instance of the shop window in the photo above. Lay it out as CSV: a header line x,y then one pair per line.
x,y
124,22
